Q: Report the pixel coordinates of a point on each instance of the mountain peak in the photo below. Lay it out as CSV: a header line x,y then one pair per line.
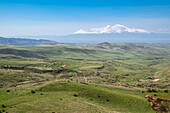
x,y
117,28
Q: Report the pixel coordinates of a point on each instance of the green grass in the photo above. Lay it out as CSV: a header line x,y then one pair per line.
x,y
58,96
133,67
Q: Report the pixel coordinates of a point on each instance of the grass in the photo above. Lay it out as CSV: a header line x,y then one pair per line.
x,y
59,96
116,75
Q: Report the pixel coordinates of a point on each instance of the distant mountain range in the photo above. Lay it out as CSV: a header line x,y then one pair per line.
x,y
124,37
24,42
112,38
113,33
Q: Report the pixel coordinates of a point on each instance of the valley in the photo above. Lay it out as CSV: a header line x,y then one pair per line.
x,y
103,78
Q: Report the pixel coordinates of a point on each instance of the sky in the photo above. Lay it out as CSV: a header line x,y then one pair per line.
x,y
63,17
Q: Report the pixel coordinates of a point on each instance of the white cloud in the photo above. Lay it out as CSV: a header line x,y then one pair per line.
x,y
117,28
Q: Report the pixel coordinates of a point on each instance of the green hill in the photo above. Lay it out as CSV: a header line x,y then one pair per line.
x,y
66,97
69,78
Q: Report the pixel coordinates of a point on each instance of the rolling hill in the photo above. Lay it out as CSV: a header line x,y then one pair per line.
x,y
70,78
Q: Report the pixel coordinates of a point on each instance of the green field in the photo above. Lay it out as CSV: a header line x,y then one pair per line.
x,y
72,78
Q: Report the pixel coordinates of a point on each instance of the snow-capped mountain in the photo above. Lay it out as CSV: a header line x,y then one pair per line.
x,y
114,34
117,28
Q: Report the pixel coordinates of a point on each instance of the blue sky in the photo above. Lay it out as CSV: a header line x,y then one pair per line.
x,y
61,17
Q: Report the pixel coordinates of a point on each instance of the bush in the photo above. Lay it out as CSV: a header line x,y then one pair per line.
x,y
8,91
33,92
3,106
154,90
155,95
166,91
76,95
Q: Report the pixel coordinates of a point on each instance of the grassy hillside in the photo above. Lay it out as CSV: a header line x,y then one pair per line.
x,y
83,78
74,97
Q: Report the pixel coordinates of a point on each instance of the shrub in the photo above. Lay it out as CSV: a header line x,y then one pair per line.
x,y
8,91
154,90
166,91
155,95
3,106
33,92
76,95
